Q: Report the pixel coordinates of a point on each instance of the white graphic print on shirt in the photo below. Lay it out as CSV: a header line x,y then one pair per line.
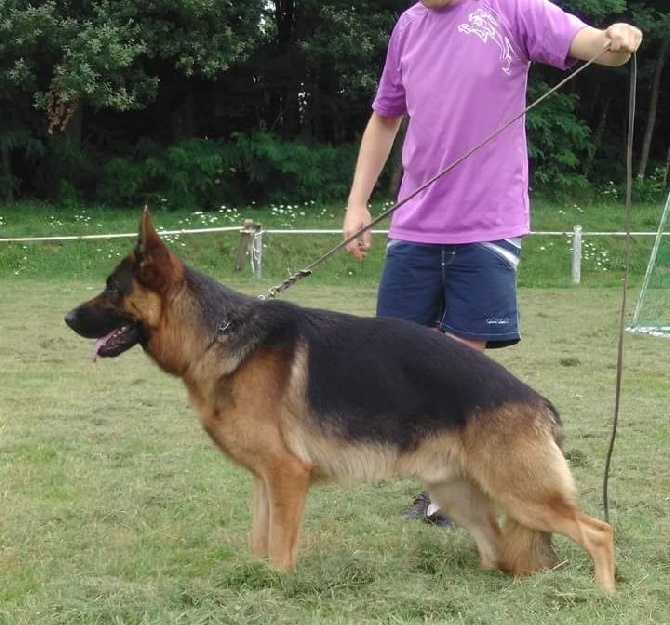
x,y
484,24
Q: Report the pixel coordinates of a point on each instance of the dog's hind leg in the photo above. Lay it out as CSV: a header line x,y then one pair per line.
x,y
560,515
524,550
535,488
260,524
287,482
470,508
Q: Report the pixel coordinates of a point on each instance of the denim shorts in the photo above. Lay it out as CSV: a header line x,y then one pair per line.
x,y
468,290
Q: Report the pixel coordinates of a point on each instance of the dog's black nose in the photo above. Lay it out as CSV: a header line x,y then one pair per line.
x,y
71,318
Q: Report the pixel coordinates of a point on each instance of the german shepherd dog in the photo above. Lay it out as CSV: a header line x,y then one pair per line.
x,y
297,395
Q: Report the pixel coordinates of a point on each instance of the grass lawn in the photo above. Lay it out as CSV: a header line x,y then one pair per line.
x,y
115,507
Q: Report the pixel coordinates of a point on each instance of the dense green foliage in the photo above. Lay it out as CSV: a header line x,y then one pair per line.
x,y
206,173
197,102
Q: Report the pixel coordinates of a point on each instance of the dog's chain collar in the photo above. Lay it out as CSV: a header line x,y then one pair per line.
x,y
220,332
223,327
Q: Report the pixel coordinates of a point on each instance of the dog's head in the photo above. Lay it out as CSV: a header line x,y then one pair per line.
x,y
129,310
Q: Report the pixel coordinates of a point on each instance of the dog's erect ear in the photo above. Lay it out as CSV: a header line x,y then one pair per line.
x,y
152,256
147,239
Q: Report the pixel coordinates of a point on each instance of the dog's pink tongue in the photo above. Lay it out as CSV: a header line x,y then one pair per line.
x,y
98,344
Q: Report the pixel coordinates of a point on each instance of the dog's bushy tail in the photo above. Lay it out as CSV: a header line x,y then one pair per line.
x,y
524,550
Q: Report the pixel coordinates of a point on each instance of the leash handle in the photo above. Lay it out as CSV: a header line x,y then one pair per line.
x,y
622,315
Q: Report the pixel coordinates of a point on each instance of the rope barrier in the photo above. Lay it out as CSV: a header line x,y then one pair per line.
x,y
124,235
287,231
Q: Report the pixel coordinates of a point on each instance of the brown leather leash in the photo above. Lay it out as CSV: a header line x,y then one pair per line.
x,y
627,253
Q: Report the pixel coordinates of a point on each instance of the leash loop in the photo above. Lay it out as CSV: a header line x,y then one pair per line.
x,y
622,316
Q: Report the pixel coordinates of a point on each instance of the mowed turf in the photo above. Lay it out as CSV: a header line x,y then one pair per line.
x,y
115,507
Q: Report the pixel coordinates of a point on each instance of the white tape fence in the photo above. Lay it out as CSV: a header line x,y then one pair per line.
x,y
251,240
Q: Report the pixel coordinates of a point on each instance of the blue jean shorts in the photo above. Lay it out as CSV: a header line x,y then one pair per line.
x,y
468,290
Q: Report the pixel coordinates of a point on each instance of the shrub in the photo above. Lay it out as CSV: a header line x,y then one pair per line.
x,y
207,173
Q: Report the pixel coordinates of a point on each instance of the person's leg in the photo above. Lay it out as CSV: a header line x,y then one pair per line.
x,y
479,305
475,344
411,288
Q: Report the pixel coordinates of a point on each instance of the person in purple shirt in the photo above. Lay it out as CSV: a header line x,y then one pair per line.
x,y
458,71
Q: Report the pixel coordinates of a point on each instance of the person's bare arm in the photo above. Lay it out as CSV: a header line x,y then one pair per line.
x,y
376,144
623,40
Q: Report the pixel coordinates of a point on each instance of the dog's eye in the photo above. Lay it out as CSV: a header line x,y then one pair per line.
x,y
113,289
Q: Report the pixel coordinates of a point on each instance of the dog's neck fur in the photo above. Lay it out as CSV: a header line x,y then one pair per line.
x,y
224,312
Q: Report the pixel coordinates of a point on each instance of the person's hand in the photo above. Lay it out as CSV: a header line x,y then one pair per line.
x,y
623,38
356,218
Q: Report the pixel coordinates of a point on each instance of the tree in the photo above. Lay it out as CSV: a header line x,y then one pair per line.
x,y
86,81
68,56
656,26
321,62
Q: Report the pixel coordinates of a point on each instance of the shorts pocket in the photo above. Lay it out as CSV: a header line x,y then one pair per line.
x,y
506,250
393,243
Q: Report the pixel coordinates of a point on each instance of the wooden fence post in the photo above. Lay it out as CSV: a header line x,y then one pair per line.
x,y
577,255
250,245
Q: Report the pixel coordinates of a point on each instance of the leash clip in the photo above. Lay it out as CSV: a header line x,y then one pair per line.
x,y
221,330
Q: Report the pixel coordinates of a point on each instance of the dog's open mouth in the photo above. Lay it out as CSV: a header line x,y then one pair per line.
x,y
117,341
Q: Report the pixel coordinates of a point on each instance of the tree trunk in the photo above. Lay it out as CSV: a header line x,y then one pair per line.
x,y
74,129
653,105
666,168
285,21
6,174
291,110
597,135
315,111
395,161
289,113
182,119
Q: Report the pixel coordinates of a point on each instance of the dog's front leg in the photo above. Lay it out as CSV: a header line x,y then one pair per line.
x,y
287,487
258,541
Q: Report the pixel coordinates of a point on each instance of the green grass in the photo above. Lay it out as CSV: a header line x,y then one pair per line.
x,y
546,259
116,508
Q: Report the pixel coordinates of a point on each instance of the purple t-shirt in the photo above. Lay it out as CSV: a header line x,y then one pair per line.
x,y
460,73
